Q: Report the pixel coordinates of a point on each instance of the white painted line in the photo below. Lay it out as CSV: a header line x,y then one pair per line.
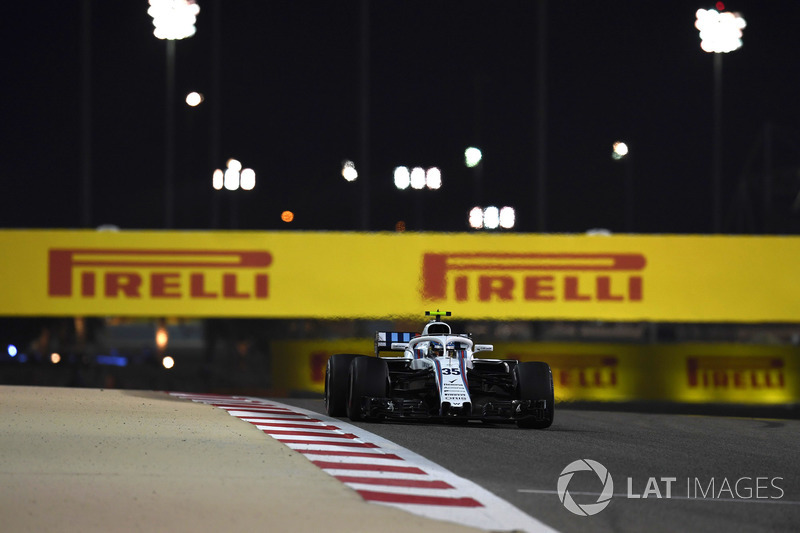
x,y
381,475
315,438
276,417
239,413
312,446
452,492
360,460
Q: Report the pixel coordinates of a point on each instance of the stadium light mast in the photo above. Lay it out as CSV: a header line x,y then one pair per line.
x,y
720,33
173,20
234,178
419,179
492,218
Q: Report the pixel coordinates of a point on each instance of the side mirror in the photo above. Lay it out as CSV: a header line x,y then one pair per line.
x,y
483,348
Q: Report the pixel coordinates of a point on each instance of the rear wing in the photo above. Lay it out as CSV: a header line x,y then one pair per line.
x,y
385,339
397,341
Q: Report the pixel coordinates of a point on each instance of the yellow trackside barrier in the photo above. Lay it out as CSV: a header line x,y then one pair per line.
x,y
389,275
690,373
300,365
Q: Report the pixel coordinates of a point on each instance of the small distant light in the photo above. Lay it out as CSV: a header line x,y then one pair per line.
x,y
55,358
507,217
287,216
491,217
12,350
418,178
168,362
194,99
620,150
402,178
476,218
400,226
248,179
162,338
231,179
472,156
349,171
234,177
112,360
433,178
218,179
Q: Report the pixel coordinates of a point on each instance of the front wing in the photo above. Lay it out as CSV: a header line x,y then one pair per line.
x,y
419,409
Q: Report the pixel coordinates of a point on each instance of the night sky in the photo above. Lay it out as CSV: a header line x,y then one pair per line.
x,y
443,75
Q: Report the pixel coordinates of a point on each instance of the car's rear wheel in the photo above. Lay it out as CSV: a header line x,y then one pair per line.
x,y
337,383
535,382
369,376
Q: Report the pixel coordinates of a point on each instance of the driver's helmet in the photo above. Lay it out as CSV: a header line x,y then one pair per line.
x,y
451,350
435,349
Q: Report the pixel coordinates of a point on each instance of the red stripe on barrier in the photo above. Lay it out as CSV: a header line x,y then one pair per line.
x,y
393,482
362,466
388,497
250,405
203,395
298,426
259,411
258,418
353,454
235,403
329,443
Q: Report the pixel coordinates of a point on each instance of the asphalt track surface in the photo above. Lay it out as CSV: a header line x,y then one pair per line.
x,y
730,474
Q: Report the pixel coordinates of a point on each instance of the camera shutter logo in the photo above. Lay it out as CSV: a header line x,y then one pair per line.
x,y
603,500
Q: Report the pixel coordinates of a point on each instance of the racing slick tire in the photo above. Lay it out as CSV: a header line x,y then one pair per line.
x,y
535,382
337,383
369,376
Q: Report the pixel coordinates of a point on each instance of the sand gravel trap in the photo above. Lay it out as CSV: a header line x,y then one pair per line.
x,y
111,460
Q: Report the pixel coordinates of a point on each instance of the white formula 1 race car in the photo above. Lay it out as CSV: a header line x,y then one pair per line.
x,y
438,377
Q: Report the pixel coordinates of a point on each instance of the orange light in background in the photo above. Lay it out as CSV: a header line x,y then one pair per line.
x,y
287,216
168,362
400,226
162,337
80,328
55,358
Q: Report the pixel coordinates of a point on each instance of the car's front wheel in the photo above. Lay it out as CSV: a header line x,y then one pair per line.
x,y
337,383
535,382
369,376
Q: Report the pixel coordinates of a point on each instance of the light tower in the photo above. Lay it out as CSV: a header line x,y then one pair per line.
x,y
173,19
720,33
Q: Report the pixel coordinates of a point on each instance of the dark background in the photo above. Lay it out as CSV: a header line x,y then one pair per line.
x,y
442,75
